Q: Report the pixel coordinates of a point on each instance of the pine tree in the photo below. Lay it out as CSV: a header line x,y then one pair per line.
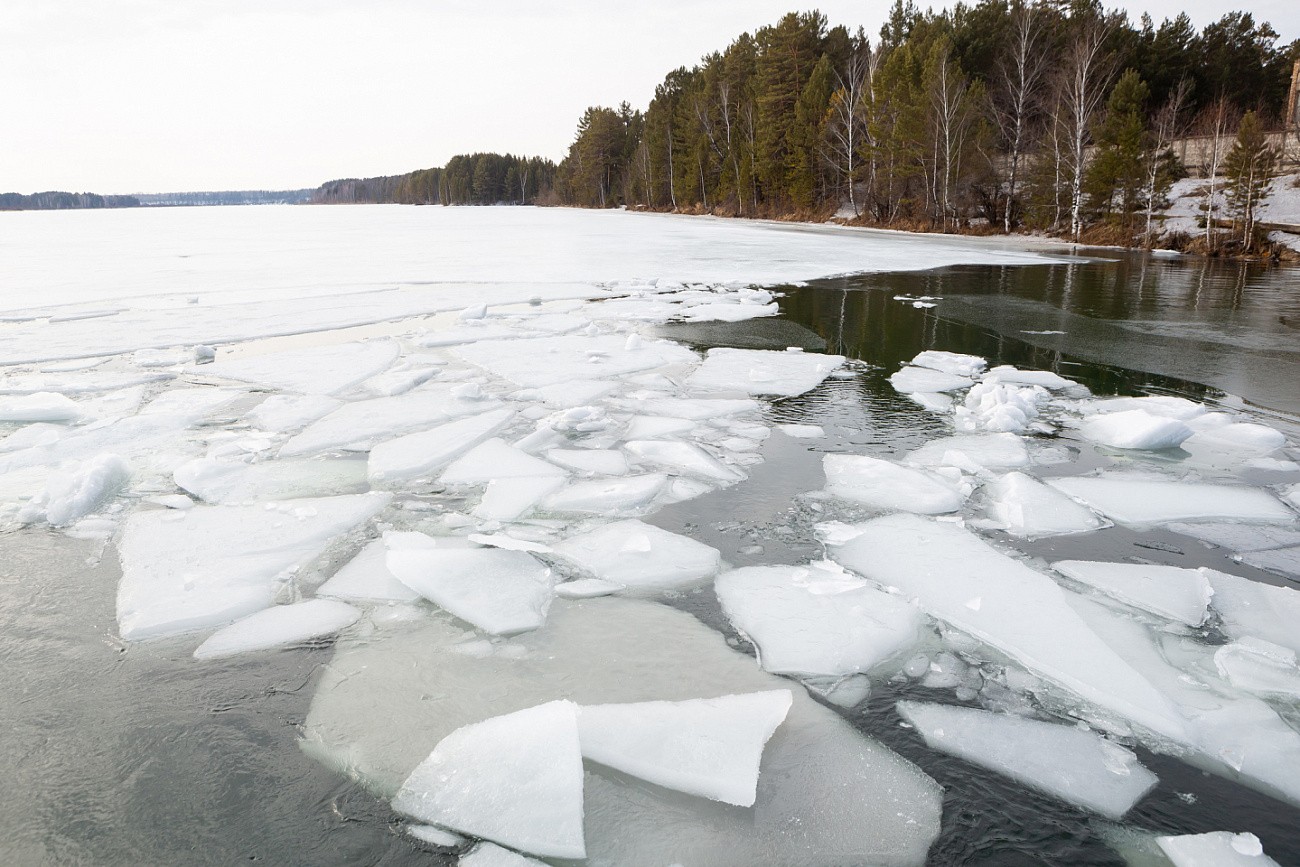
x,y
1117,176
804,138
1250,167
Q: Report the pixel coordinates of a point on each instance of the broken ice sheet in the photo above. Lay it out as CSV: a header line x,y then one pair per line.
x,y
318,370
621,496
1215,849
1135,429
278,626
414,455
762,372
1064,761
366,578
613,650
882,484
1171,592
709,747
1143,501
972,452
640,556
542,361
492,855
923,380
1027,508
76,489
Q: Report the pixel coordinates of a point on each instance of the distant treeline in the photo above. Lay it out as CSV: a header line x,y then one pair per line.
x,y
1056,115
467,179
227,197
60,201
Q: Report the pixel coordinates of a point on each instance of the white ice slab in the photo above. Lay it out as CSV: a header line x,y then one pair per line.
x,y
924,380
76,489
802,431
47,406
1246,438
1215,849
1027,508
977,451
564,395
608,496
950,362
1077,766
1260,667
587,588
1135,429
683,457
710,747
883,484
419,454
759,371
696,409
605,462
514,779
499,591
816,619
964,582
640,556
210,565
366,578
1044,378
509,499
653,427
998,407
1167,591
1254,609
278,626
492,855
1143,501
1170,407
436,836
541,361
291,412
495,459
233,482
315,370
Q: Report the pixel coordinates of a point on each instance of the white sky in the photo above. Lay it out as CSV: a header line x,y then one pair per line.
x,y
123,96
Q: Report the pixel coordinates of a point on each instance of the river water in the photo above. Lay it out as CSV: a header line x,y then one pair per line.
x,y
131,754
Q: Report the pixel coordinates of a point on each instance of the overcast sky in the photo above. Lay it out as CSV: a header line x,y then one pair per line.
x,y
123,96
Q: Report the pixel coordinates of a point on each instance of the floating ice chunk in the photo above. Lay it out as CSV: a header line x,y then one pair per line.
x,y
932,400
494,459
816,619
76,489
710,747
728,312
210,565
510,498
32,436
608,496
1253,609
46,406
802,431
683,457
994,406
1044,378
966,451
435,836
760,371
1292,495
315,370
650,427
492,855
194,403
171,501
499,591
564,395
695,409
471,332
418,454
599,651
510,543
885,485
361,424
1245,437
290,412
1216,849
1135,429
232,482
1259,667
640,556
1240,537
476,311
541,361
1141,501
1170,407
1167,591
1284,561
277,626
366,577
1022,613
1030,509
606,462
923,380
950,362
398,380
514,779
587,588
1079,767
84,384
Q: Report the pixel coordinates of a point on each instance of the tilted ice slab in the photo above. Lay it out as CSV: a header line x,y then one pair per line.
x,y
605,462
1170,407
885,485
1135,429
195,403
499,591
1245,438
1215,849
363,423
565,395
515,779
1167,591
540,361
613,650
494,459
1044,378
418,454
1260,667
47,406
608,496
1030,509
492,855
923,380
1252,608
696,409
290,412
950,362
816,619
278,626
972,452
1077,766
233,482
1142,501
207,566
509,499
76,489
315,370
760,371
964,582
684,457
640,556
366,578
710,747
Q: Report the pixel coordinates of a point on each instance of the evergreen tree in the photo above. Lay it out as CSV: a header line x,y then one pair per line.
x,y
1117,176
805,136
1249,167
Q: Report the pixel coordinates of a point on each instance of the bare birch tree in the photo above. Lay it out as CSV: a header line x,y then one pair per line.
x,y
846,127
1085,74
1021,75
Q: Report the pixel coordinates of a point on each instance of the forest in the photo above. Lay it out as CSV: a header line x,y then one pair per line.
x,y
466,179
61,201
1055,116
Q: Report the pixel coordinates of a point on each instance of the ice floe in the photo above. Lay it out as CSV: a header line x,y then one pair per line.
x,y
327,369
973,452
1146,501
885,485
640,556
46,406
1135,429
418,454
366,578
1215,849
1178,594
278,626
1026,507
924,380
762,372
76,489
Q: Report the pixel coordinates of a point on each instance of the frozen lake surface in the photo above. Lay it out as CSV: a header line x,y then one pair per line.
x,y
409,535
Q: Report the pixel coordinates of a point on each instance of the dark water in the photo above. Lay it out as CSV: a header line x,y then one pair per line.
x,y
136,756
